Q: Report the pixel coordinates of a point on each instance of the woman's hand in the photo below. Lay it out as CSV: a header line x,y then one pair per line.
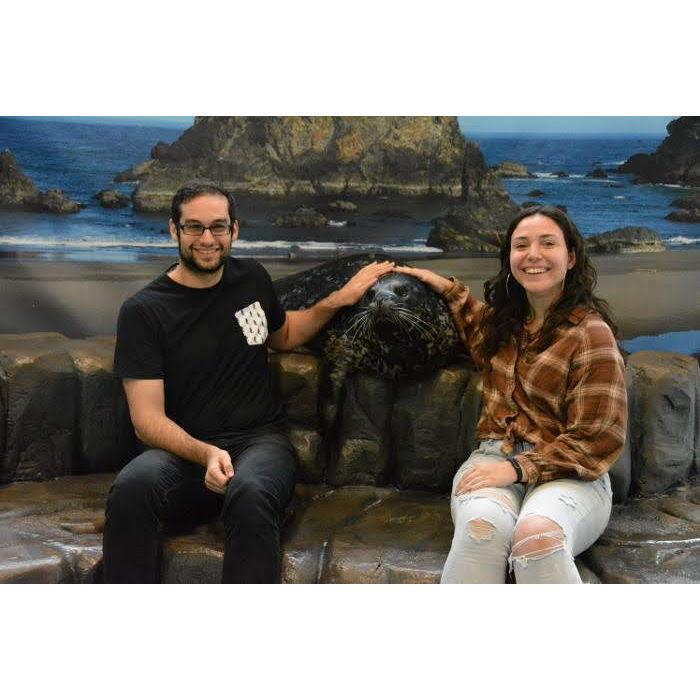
x,y
484,474
436,282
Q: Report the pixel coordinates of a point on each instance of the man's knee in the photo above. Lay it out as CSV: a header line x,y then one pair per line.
x,y
535,537
247,502
137,481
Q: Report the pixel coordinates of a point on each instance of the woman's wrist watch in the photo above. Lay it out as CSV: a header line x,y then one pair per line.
x,y
518,470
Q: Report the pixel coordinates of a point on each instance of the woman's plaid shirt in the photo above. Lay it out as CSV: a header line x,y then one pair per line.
x,y
569,400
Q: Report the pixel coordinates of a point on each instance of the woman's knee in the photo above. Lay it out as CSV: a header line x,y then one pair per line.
x,y
536,537
487,515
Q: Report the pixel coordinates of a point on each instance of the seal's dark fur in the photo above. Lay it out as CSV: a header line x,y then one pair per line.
x,y
400,328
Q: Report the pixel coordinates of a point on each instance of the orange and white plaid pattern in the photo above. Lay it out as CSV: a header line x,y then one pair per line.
x,y
569,400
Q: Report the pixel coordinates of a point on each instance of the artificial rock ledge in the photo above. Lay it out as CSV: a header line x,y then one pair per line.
x,y
372,505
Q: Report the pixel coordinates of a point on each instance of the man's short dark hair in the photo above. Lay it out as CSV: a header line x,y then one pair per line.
x,y
194,189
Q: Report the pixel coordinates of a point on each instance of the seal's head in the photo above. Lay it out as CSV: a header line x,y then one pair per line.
x,y
397,309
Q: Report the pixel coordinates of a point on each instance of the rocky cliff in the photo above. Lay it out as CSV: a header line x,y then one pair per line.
x,y
278,156
17,191
482,216
675,161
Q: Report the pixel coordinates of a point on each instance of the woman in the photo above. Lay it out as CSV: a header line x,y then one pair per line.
x,y
536,492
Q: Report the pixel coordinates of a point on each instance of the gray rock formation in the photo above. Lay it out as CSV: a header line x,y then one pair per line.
x,y
509,169
61,412
688,216
665,420
55,202
111,199
479,221
303,217
51,532
630,239
278,156
690,202
598,173
17,191
675,161
343,205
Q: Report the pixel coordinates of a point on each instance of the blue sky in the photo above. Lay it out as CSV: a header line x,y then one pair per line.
x,y
565,125
471,125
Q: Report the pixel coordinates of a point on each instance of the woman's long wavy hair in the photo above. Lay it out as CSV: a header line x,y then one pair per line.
x,y
509,309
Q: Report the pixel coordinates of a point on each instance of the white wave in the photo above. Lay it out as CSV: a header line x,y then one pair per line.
x,y
675,187
270,248
82,243
682,240
619,196
543,174
576,177
610,163
337,224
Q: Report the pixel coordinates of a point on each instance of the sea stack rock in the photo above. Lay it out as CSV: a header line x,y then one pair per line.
x,y
630,239
598,173
509,169
303,217
675,161
278,156
17,191
479,221
111,199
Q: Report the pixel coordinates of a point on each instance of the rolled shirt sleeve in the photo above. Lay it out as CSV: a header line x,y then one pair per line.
x,y
466,311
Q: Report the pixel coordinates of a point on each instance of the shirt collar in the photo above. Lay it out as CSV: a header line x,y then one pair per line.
x,y
577,315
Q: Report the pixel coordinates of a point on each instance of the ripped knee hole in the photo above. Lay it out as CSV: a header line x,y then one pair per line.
x,y
480,530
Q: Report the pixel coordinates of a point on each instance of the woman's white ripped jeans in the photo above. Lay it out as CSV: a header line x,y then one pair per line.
x,y
536,530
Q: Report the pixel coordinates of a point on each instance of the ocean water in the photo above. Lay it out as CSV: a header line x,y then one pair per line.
x,y
81,159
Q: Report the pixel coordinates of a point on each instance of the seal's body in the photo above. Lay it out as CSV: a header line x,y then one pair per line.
x,y
400,327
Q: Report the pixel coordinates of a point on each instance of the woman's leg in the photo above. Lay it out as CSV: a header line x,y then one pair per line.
x,y
484,521
558,520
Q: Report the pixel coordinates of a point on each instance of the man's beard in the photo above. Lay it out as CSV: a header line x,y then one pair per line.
x,y
188,260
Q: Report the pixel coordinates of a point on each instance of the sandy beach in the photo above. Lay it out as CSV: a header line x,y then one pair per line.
x,y
650,293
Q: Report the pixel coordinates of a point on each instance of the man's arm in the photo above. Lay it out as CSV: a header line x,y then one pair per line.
x,y
146,398
300,326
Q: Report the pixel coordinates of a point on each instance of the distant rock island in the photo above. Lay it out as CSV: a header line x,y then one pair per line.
x,y
629,239
280,156
675,161
17,191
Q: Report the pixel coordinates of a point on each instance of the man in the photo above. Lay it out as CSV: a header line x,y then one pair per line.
x,y
192,352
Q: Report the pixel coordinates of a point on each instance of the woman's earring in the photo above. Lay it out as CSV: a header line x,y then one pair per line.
x,y
507,281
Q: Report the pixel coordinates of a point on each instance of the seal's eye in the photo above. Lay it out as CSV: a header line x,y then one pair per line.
x,y
400,291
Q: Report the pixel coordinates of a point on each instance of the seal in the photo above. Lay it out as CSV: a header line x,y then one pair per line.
x,y
400,327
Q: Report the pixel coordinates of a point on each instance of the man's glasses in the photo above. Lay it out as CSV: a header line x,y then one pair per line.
x,y
199,229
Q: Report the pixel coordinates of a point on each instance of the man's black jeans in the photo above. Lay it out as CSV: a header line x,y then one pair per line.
x,y
157,488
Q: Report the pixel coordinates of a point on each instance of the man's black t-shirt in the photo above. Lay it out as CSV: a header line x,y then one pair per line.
x,y
208,345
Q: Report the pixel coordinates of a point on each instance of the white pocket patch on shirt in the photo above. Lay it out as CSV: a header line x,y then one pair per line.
x,y
253,323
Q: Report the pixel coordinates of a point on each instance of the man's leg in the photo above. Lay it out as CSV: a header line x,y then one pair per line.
x,y
262,485
154,488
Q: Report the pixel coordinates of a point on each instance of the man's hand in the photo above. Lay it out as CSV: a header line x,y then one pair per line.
x,y
219,470
437,283
485,474
360,282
